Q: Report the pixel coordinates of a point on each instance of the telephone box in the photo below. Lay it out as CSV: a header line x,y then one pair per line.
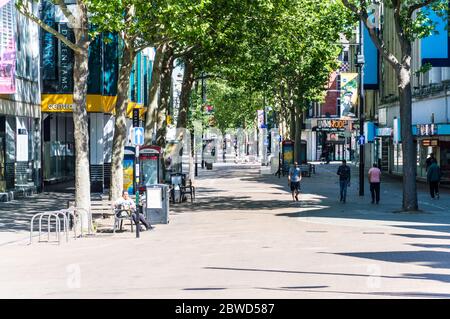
x,y
129,159
150,166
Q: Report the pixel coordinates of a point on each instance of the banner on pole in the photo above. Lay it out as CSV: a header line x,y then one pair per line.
x,y
349,95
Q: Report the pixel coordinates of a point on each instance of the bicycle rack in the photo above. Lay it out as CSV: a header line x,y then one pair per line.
x,y
49,216
58,217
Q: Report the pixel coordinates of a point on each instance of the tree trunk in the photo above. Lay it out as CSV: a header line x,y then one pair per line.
x,y
298,134
80,117
292,123
291,107
120,127
152,108
408,147
164,101
186,87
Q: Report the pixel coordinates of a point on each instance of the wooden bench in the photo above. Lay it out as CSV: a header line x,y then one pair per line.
x,y
306,170
99,208
102,208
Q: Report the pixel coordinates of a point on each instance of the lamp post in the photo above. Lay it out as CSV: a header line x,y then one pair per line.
x,y
360,63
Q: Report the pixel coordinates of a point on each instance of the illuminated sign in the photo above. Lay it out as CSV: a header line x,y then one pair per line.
x,y
430,142
426,129
332,125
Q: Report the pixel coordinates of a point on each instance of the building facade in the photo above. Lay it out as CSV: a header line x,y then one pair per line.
x,y
20,156
430,109
57,100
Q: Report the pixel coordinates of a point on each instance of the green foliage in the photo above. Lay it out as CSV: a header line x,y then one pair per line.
x,y
234,107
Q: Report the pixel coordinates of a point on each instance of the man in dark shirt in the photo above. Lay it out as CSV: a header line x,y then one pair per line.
x,y
429,161
344,179
434,177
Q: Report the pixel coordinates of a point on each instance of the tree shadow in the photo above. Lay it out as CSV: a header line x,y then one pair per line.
x,y
433,259
16,215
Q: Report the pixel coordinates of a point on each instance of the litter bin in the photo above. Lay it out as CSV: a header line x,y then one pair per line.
x,y
209,165
177,180
157,203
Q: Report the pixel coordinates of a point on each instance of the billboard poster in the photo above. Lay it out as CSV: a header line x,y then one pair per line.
x,y
287,154
7,47
349,95
128,174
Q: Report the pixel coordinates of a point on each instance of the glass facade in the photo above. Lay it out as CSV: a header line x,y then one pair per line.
x,y
58,147
19,153
2,154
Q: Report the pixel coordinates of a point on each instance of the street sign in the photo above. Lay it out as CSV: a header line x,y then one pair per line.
x,y
361,140
138,136
135,117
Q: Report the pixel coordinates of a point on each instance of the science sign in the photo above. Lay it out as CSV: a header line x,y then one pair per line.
x,y
7,47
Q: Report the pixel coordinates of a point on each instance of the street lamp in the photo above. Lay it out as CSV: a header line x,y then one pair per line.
x,y
360,64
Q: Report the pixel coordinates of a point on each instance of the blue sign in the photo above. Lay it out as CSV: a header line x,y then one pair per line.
x,y
138,136
435,49
361,140
371,56
369,131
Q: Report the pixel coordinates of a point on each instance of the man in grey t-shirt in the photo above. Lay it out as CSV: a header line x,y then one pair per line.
x,y
294,178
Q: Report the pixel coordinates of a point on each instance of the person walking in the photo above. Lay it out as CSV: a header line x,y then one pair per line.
x,y
344,179
433,178
294,178
374,181
429,161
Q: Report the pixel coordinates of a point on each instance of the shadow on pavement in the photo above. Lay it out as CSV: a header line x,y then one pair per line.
x,y
433,259
15,216
433,277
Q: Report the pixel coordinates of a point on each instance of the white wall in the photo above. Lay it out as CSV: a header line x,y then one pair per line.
x,y
96,138
108,135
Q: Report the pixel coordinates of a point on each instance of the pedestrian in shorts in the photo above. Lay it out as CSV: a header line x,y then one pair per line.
x,y
294,178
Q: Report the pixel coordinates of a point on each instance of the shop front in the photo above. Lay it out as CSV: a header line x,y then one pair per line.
x,y
334,140
433,139
19,153
59,142
428,139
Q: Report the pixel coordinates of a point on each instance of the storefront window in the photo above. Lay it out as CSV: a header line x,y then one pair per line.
x,y
445,159
58,147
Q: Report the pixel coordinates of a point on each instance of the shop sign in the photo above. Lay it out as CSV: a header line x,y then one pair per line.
x,y
65,62
331,125
426,129
430,142
60,107
384,131
48,42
